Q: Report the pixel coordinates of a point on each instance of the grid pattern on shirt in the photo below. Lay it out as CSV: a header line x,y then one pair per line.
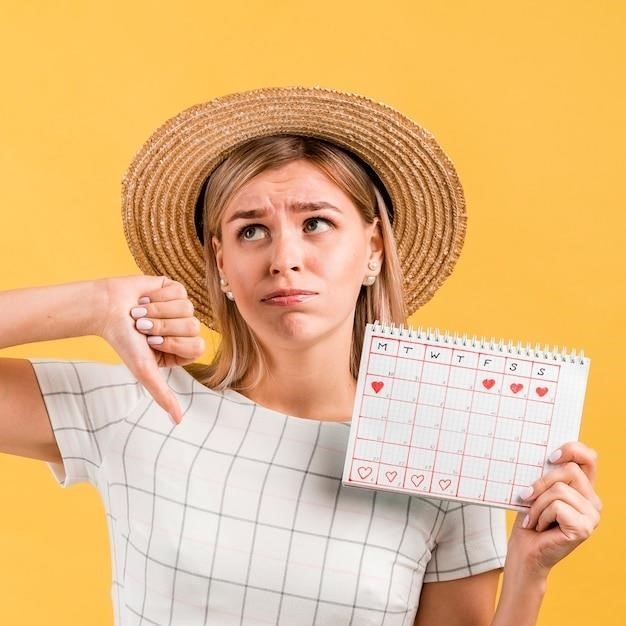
x,y
238,515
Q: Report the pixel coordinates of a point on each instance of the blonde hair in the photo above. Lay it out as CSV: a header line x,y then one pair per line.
x,y
239,361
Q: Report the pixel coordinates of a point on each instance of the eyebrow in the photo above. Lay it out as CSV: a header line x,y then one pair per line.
x,y
296,207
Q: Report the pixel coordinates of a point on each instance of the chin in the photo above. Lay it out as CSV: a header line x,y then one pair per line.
x,y
302,331
295,326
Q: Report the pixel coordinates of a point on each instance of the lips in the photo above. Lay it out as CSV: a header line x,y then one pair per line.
x,y
287,296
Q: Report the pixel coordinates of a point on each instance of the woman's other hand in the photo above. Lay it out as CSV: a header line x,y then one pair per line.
x,y
564,510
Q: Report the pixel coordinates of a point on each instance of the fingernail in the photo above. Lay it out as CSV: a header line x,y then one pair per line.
x,y
138,311
144,324
526,492
555,456
174,422
155,340
144,300
526,521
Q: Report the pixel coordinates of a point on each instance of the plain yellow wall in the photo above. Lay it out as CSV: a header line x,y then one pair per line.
x,y
529,99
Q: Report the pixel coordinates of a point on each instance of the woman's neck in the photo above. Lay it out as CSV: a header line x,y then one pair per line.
x,y
314,383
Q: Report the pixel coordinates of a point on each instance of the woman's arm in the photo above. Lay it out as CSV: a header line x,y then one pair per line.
x,y
90,308
462,602
564,511
25,429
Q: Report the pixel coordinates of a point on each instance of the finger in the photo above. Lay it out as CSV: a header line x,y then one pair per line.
x,y
521,519
579,453
187,349
186,327
575,523
570,474
167,310
171,290
148,375
559,492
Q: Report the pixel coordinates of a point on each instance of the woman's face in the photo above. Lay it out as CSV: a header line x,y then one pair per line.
x,y
294,251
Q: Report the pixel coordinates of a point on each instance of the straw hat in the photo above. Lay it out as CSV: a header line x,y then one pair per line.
x,y
162,185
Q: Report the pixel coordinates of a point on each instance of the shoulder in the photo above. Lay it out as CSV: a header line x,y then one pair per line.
x,y
83,377
470,540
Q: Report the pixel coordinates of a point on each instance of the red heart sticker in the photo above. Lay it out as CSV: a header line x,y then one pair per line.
x,y
488,383
516,387
377,385
541,391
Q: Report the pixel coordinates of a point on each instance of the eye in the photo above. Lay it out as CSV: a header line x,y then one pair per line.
x,y
252,232
316,225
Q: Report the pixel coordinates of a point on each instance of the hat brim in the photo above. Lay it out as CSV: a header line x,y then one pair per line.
x,y
161,187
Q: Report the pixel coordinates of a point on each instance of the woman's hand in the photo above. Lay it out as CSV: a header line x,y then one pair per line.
x,y
149,322
564,510
166,317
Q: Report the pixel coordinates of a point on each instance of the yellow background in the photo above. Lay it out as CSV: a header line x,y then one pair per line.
x,y
527,98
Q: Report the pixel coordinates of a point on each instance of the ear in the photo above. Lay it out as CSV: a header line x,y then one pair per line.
x,y
216,244
376,242
217,251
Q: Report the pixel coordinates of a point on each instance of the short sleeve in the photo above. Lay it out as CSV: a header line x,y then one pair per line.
x,y
471,540
86,403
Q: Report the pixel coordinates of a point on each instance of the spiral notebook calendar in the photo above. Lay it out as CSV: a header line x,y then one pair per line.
x,y
452,417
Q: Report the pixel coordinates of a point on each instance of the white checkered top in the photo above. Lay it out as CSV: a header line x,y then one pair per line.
x,y
238,515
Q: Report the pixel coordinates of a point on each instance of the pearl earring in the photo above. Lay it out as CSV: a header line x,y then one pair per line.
x,y
370,280
224,285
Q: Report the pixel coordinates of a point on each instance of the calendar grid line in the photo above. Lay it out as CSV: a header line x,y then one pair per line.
x,y
519,447
551,421
489,463
467,430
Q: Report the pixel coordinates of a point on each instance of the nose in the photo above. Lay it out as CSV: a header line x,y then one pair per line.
x,y
286,254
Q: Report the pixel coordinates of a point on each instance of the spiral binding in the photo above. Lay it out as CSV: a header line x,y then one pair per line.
x,y
495,345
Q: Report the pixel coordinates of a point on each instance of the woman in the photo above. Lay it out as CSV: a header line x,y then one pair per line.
x,y
317,213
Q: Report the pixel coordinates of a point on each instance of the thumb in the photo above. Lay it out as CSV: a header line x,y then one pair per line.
x,y
148,374
519,519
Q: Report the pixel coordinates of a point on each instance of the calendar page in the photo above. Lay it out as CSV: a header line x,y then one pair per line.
x,y
445,416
